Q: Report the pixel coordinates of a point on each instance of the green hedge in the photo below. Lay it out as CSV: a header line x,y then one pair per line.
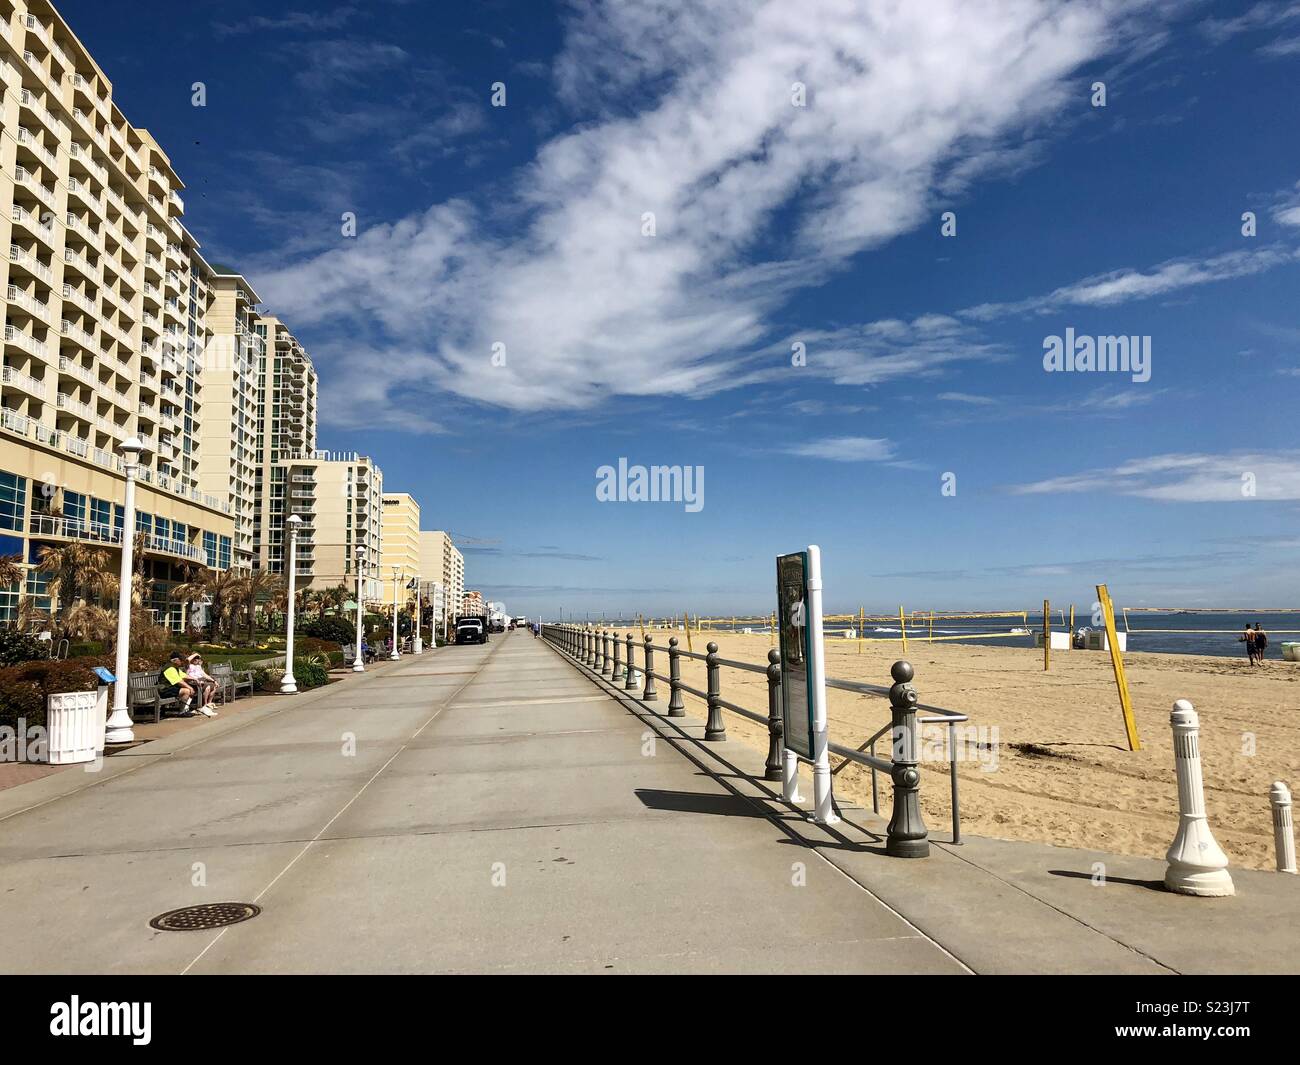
x,y
25,688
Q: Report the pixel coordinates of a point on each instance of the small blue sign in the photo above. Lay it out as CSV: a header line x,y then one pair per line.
x,y
104,675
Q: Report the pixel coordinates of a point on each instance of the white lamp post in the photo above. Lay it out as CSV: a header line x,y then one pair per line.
x,y
118,727
288,686
417,644
395,654
358,661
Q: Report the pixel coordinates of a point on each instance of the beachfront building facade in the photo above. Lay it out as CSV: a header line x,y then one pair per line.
x,y
441,560
106,298
401,542
229,441
339,497
285,429
472,603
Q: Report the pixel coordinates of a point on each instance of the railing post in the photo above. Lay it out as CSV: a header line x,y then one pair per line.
x,y
1197,864
650,694
589,653
598,650
676,708
1279,797
775,724
631,672
908,837
607,663
714,728
617,675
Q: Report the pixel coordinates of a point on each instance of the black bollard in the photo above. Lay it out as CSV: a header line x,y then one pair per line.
x,y
908,837
775,724
651,693
714,728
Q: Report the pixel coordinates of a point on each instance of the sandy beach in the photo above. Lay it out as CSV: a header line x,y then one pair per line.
x,y
1060,770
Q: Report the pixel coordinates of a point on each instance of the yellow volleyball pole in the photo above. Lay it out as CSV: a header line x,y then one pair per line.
x,y
1070,642
932,626
902,628
862,624
1117,662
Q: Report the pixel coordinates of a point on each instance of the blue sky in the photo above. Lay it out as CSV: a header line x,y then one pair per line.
x,y
775,224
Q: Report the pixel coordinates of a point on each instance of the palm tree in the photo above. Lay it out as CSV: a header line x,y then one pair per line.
x,y
11,572
77,571
259,584
335,597
222,590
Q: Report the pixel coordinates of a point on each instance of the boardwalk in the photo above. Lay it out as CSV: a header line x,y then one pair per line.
x,y
491,809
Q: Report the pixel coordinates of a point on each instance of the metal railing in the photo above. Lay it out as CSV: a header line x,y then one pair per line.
x,y
600,651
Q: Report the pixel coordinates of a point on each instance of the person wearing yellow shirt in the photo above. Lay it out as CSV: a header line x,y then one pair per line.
x,y
172,682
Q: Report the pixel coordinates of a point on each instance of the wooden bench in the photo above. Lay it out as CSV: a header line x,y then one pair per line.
x,y
142,691
231,681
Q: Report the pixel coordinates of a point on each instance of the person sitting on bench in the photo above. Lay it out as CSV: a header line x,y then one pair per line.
x,y
174,684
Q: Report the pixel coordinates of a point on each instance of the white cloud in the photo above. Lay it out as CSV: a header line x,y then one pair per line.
x,y
903,99
846,449
1179,478
1121,286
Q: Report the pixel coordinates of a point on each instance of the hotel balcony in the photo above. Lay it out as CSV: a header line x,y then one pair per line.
x,y
29,182
59,527
17,379
74,369
32,223
28,140
22,301
79,336
16,338
25,260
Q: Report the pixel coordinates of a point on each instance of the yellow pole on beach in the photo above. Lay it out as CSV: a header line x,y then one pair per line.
x,y
862,624
1047,635
931,626
774,628
1070,641
641,626
687,618
1117,661
902,628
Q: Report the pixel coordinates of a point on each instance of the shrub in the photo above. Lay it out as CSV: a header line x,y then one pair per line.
x,y
268,678
81,650
310,673
331,628
16,647
25,688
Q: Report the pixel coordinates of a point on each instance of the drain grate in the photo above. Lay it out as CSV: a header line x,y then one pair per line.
x,y
201,918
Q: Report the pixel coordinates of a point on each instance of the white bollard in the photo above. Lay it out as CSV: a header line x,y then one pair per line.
x,y
1197,864
790,779
1283,834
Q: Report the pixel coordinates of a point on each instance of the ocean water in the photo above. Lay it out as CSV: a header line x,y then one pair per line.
x,y
1172,633
1176,632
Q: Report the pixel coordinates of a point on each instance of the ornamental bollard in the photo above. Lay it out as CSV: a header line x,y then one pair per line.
x,y
676,707
599,642
607,666
908,837
1197,864
650,693
775,726
714,728
617,675
590,658
1283,832
631,671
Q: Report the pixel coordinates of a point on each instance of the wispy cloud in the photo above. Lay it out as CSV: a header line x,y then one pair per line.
x,y
1269,14
1188,478
290,22
846,449
694,122
1122,286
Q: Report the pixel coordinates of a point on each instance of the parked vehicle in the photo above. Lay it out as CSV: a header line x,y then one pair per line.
x,y
471,630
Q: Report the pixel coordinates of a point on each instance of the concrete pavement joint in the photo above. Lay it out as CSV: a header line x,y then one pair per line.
x,y
446,703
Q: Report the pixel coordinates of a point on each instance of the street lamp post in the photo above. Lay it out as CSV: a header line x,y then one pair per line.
x,y
118,727
288,686
358,660
395,654
417,644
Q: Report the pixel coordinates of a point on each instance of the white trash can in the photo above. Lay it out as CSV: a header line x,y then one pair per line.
x,y
75,722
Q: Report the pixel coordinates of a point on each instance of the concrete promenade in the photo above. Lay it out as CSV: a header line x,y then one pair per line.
x,y
492,809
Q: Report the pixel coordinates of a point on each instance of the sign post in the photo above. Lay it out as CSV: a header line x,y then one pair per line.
x,y
803,678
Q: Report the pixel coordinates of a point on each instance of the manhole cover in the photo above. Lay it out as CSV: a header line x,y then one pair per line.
x,y
209,915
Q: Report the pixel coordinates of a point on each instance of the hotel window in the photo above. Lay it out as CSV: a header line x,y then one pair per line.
x,y
210,549
74,509
223,553
162,528
38,589
101,516
13,497
144,522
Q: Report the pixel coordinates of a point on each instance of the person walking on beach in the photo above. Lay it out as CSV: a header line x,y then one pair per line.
x,y
1261,642
1248,638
